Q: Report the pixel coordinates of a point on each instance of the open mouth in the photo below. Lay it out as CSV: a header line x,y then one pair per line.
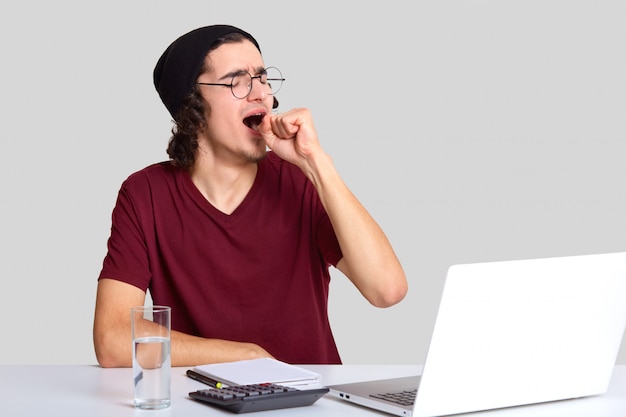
x,y
253,121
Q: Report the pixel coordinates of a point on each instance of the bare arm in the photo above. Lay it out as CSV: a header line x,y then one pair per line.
x,y
368,260
112,335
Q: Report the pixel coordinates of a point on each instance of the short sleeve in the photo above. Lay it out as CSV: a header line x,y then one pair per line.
x,y
327,241
127,258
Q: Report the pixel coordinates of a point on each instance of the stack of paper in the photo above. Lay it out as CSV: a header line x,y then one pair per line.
x,y
258,371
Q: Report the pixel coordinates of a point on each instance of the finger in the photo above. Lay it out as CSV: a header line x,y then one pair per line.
x,y
284,127
265,129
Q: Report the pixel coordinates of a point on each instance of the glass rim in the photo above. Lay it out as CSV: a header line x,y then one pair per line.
x,y
152,308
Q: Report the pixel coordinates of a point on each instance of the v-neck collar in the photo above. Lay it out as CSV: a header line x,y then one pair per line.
x,y
209,208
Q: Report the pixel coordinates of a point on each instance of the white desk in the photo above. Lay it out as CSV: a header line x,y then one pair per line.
x,y
89,391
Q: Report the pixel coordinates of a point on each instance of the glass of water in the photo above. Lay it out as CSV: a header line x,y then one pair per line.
x,y
152,366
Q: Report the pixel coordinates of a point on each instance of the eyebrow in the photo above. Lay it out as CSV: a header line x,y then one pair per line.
x,y
233,73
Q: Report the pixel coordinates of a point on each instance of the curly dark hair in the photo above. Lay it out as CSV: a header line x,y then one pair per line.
x,y
189,124
190,120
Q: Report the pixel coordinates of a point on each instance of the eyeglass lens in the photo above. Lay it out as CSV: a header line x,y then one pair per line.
x,y
271,79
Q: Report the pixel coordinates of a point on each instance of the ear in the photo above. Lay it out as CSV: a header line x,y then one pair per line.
x,y
275,104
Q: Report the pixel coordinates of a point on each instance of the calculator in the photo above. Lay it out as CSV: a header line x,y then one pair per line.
x,y
257,397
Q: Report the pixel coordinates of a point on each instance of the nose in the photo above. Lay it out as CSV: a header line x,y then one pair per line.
x,y
258,90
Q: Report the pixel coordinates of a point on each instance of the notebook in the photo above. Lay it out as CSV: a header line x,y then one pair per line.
x,y
512,333
258,371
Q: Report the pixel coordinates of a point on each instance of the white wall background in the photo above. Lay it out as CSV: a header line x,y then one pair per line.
x,y
472,130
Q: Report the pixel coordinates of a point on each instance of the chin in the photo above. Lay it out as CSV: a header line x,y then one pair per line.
x,y
256,156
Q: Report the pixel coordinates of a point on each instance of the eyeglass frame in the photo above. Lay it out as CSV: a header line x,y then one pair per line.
x,y
281,79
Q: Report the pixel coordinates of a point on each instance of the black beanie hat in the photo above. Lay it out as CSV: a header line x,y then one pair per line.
x,y
178,68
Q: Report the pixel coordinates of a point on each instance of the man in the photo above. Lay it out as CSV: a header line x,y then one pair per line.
x,y
236,239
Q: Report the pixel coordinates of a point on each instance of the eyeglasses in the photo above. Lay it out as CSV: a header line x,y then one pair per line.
x,y
241,84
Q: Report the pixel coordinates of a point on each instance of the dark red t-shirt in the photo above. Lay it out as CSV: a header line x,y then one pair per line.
x,y
257,275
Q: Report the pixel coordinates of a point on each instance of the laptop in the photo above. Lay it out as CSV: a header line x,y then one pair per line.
x,y
512,333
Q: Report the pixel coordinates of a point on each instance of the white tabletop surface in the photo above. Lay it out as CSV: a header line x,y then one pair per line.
x,y
90,391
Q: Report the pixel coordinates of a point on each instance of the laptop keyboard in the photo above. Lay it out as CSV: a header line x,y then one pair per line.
x,y
403,397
